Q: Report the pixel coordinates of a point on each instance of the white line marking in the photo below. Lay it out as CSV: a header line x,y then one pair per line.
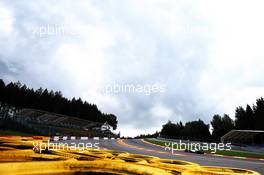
x,y
84,138
56,138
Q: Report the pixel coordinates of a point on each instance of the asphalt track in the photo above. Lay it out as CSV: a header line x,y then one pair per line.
x,y
138,146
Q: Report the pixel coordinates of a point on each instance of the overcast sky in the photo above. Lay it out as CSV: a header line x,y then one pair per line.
x,y
208,55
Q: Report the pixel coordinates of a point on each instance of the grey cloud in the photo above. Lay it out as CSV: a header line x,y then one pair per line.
x,y
122,42
147,56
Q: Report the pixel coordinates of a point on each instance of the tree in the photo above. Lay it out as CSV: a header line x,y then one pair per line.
x,y
112,120
196,130
217,125
221,126
171,129
240,118
245,119
2,88
259,114
250,118
228,123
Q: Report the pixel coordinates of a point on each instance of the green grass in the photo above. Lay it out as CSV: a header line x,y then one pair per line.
x,y
220,152
163,143
13,133
239,153
156,142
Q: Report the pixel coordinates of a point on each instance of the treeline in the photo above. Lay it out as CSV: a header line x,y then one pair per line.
x,y
251,118
20,96
194,130
155,135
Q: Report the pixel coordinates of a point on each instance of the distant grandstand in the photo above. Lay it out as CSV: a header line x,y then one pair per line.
x,y
49,123
252,137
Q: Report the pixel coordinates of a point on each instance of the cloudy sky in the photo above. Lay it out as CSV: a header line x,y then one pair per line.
x,y
208,55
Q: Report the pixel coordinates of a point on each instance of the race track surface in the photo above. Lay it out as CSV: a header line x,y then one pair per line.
x,y
137,146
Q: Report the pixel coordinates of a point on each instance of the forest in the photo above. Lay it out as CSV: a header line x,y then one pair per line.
x,y
250,118
20,96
